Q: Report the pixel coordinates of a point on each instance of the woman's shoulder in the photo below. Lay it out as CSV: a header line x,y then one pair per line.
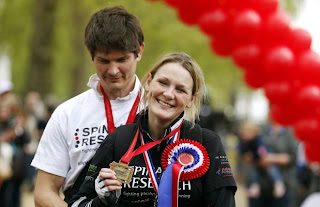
x,y
209,133
211,139
197,133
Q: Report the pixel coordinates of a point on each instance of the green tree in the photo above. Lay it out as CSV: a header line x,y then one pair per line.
x,y
41,55
45,42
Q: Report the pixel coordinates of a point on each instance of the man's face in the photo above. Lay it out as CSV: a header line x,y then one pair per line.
x,y
116,71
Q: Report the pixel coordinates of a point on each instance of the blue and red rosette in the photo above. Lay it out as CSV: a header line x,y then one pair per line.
x,y
181,160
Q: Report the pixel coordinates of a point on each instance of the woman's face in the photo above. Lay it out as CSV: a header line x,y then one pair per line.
x,y
170,92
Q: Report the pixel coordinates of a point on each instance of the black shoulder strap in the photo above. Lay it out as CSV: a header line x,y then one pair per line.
x,y
77,184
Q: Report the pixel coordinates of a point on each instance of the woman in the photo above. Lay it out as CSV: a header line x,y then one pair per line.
x,y
174,88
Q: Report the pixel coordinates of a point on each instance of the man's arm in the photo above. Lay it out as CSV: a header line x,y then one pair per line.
x,y
281,159
46,193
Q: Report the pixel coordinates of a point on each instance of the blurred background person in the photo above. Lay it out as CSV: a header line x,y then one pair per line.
x,y
283,144
35,110
308,176
312,195
253,150
305,176
12,132
264,183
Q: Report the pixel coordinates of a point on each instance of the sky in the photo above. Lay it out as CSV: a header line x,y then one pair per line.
x,y
307,18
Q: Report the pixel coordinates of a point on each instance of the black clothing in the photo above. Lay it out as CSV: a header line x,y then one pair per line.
x,y
255,146
216,188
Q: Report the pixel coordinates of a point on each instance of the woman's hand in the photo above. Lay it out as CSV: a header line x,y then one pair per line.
x,y
108,187
109,179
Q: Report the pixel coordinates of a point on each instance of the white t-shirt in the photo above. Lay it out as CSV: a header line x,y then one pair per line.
x,y
76,129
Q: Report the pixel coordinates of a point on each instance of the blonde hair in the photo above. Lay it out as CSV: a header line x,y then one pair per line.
x,y
198,91
248,130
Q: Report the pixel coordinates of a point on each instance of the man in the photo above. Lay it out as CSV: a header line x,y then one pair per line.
x,y
76,129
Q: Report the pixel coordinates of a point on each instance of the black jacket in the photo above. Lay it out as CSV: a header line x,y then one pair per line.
x,y
216,188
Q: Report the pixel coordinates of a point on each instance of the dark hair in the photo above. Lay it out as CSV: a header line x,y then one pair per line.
x,y
113,28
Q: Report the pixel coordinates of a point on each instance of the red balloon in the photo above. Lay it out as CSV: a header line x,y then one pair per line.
x,y
206,5
276,28
279,63
299,40
221,47
187,17
309,67
174,3
215,23
279,92
231,4
254,79
283,114
312,152
308,97
274,56
190,11
265,7
307,101
278,22
246,25
247,56
307,129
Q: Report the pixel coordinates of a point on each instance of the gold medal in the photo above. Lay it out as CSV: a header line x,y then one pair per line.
x,y
123,171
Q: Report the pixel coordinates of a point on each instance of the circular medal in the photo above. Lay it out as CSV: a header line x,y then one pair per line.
x,y
190,154
185,159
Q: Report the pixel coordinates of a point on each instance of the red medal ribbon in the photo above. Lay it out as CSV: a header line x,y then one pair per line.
x,y
130,153
177,168
108,110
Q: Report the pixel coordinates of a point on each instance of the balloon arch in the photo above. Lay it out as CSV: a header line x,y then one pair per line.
x,y
273,55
